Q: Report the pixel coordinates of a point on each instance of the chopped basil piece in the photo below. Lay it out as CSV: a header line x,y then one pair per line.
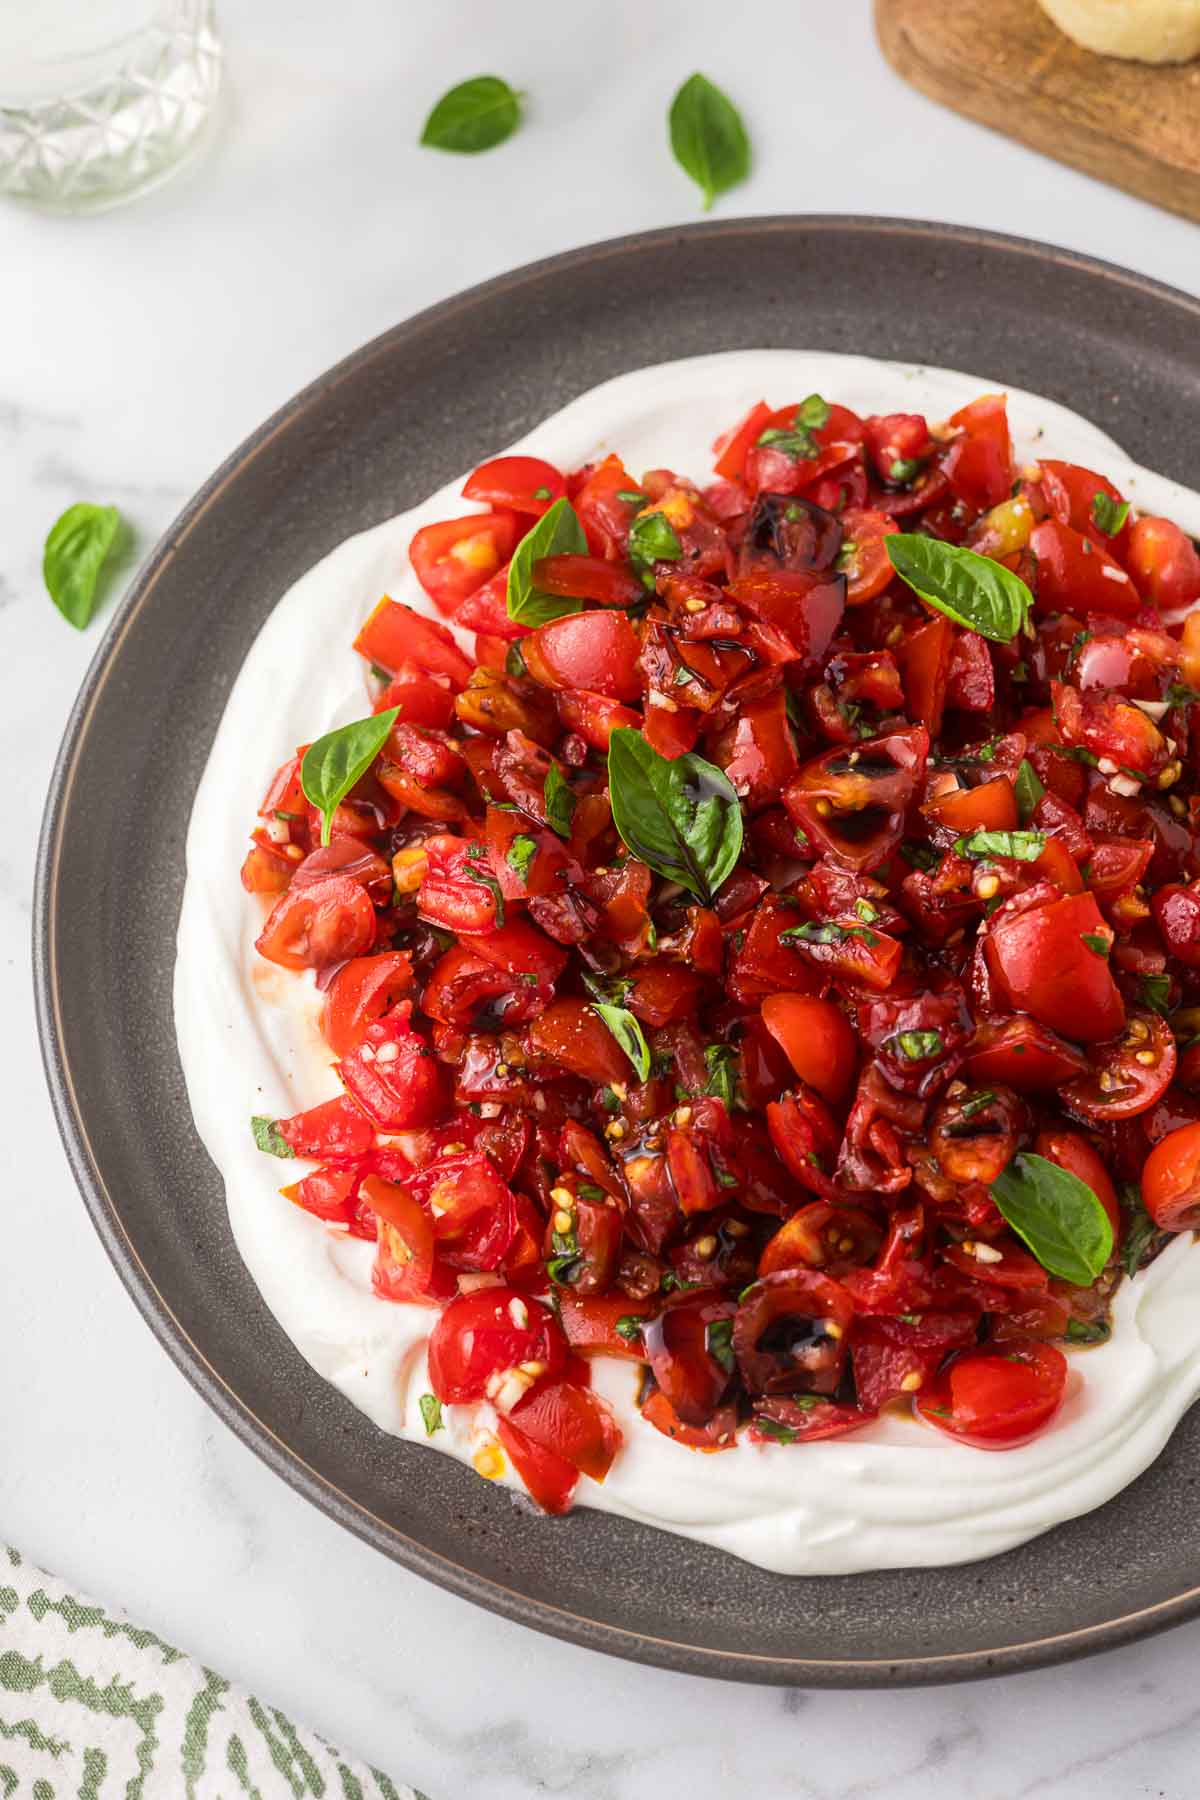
x,y
813,412
1023,846
1091,1331
653,538
1108,514
866,912
269,1138
520,854
798,445
541,493
560,801
720,1061
631,497
976,1104
629,1327
826,932
492,885
1142,1238
1028,790
1156,993
918,1046
1100,946
903,469
1179,694
1057,1215
629,1035
588,1190
921,856
431,1413
718,1341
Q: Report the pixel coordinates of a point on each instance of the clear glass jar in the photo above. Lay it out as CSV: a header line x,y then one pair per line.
x,y
102,99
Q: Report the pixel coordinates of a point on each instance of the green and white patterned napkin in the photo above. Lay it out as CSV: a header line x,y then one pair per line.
x,y
95,1708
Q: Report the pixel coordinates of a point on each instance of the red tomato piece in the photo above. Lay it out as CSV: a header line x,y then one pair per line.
x,y
395,637
1171,1180
391,1072
524,484
817,1039
1072,1151
1075,575
336,1131
1021,1054
484,1335
1043,963
1165,564
996,1400
572,1034
572,1422
363,990
1128,1074
804,1419
404,1259
310,927
549,1478
454,557
978,465
588,578
597,651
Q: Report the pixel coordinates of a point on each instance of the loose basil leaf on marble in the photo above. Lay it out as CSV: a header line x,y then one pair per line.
x,y
431,1413
476,115
628,1034
972,590
708,138
75,551
560,801
1109,514
557,533
336,761
1057,1215
269,1138
680,816
1024,846
1028,790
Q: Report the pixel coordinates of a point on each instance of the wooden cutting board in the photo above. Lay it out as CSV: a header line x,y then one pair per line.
x,y
1004,63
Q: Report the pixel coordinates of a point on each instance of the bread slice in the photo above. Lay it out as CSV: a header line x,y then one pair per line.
x,y
1151,31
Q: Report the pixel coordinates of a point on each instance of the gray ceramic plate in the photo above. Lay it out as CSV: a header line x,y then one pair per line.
x,y
374,436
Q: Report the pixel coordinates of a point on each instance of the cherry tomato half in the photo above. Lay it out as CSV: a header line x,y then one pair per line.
x,y
1126,1075
817,1038
1171,1180
996,1399
312,926
483,1335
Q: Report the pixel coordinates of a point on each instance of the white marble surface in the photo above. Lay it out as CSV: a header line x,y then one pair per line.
x,y
136,349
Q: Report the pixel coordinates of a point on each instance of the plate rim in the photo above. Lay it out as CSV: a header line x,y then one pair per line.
x,y
226,1402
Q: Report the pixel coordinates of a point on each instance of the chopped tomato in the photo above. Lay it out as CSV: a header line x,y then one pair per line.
x,y
363,990
391,1072
996,1399
456,556
1052,961
322,923
523,484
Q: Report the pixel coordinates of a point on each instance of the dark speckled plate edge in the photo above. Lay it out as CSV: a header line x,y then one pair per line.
x,y
1009,1652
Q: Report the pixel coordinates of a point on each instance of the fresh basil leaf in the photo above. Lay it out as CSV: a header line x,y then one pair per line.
x,y
1098,945
1024,846
1156,993
628,1034
1057,1215
1109,514
629,1327
557,533
74,554
431,1413
972,590
718,1341
720,1061
708,138
653,538
336,761
679,815
1028,790
476,115
560,801
520,853
269,1138
918,1046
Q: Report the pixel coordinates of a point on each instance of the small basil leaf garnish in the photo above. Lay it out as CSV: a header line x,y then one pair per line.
x,y
1028,790
74,554
1156,993
629,1327
652,538
1108,514
1057,1215
918,1046
269,1138
708,138
679,815
628,1034
972,590
336,761
721,1062
431,1413
559,800
718,1341
520,853
476,115
557,533
1024,846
